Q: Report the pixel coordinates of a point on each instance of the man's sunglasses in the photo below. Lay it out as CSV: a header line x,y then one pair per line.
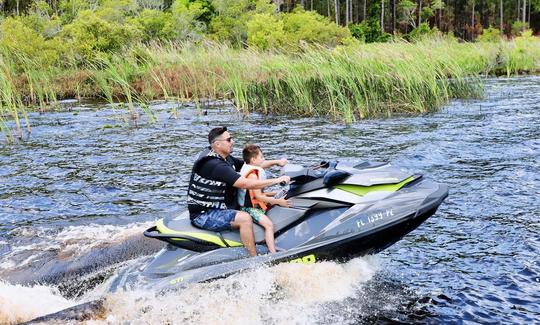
x,y
229,139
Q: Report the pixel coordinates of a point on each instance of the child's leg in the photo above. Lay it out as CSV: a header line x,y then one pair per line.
x,y
268,232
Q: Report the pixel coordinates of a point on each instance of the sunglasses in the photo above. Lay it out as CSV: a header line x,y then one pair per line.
x,y
229,139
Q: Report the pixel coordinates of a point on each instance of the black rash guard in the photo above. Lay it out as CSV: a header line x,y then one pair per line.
x,y
211,184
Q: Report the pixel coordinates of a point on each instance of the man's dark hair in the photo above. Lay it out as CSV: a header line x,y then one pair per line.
x,y
216,132
250,151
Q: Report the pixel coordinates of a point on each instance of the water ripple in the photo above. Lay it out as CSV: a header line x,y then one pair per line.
x,y
476,260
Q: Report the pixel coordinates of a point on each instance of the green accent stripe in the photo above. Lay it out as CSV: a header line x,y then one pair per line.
x,y
363,190
160,226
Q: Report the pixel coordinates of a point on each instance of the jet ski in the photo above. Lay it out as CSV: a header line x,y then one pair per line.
x,y
340,210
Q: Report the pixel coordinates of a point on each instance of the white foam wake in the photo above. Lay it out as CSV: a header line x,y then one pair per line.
x,y
70,243
19,303
285,293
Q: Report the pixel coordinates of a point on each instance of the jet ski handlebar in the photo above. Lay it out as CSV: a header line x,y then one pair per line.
x,y
301,174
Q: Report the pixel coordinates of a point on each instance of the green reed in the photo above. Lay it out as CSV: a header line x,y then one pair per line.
x,y
344,83
11,104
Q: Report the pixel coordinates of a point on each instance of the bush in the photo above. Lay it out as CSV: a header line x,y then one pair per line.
x,y
230,23
421,32
22,42
369,31
526,35
70,8
490,34
265,31
185,23
154,24
90,36
518,27
291,29
310,27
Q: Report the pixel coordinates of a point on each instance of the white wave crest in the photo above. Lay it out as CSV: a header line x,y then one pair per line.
x,y
20,304
69,243
286,293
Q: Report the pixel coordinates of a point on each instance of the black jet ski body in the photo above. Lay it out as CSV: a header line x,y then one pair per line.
x,y
339,211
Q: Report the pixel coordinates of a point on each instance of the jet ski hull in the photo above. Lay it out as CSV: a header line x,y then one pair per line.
x,y
348,235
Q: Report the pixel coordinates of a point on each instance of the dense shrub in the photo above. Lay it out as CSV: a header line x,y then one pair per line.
x,y
230,23
154,24
22,42
90,35
185,23
518,27
292,29
490,35
310,27
265,31
369,31
421,32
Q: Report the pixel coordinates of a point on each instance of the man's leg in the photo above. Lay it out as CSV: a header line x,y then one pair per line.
x,y
243,221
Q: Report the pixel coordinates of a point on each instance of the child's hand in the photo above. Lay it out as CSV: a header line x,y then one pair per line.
x,y
284,203
282,162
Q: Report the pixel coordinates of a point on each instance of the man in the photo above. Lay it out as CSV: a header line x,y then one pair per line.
x,y
212,189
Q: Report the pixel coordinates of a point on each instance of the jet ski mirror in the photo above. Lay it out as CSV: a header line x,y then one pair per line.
x,y
326,164
335,177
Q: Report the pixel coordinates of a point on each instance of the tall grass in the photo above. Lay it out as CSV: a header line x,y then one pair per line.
x,y
344,83
11,103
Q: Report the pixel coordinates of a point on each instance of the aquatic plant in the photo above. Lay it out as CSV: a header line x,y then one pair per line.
x,y
11,103
346,83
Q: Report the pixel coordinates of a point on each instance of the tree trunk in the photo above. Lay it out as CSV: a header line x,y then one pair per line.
x,y
481,16
364,12
328,8
524,11
346,12
529,14
455,15
382,16
501,16
351,11
336,10
472,19
357,12
440,15
18,7
418,17
393,9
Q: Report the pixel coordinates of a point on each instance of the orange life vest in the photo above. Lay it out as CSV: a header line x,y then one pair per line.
x,y
254,202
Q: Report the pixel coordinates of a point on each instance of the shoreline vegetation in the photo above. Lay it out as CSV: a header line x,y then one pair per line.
x,y
339,75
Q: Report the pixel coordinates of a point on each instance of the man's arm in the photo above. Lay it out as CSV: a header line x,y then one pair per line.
x,y
257,184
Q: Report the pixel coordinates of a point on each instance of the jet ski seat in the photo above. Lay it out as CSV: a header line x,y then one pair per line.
x,y
180,232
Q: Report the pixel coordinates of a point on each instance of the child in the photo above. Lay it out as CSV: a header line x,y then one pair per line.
x,y
256,202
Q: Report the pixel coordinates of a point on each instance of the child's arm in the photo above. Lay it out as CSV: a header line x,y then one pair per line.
x,y
261,196
269,163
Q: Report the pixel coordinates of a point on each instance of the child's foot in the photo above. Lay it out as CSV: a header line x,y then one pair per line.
x,y
279,249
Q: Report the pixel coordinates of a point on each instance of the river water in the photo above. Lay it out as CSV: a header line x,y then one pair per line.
x,y
76,195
